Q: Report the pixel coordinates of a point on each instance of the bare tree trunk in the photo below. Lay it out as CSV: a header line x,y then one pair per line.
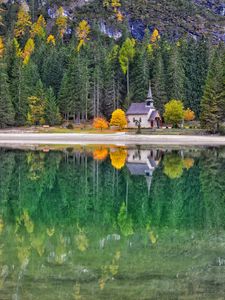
x,y
128,85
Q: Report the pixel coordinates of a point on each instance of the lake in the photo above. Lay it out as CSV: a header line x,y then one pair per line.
x,y
112,222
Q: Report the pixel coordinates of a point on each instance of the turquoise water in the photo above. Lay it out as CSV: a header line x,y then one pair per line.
x,y
112,223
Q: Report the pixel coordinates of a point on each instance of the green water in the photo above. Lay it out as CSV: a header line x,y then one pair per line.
x,y
112,223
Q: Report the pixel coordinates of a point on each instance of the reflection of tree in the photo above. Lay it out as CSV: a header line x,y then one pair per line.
x,y
100,154
81,240
109,270
173,166
125,222
212,180
36,165
188,163
118,158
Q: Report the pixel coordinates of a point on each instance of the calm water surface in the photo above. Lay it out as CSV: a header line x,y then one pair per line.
x,y
112,223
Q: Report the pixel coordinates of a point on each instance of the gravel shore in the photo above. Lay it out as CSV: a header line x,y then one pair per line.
x,y
116,138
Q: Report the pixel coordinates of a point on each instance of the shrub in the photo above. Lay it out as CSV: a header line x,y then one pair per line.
x,y
100,123
70,126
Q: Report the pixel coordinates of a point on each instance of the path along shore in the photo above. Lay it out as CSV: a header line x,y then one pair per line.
x,y
115,138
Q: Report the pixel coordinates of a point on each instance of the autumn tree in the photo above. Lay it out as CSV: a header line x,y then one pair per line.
x,y
126,56
37,105
155,36
28,50
83,31
115,4
189,115
51,40
174,112
23,22
118,119
100,123
2,47
61,22
38,28
36,111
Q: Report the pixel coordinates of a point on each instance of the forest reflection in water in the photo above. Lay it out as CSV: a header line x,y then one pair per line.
x,y
112,222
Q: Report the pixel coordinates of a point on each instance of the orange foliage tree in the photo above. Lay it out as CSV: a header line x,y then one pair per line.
x,y
189,115
100,154
100,123
118,158
188,163
2,47
118,119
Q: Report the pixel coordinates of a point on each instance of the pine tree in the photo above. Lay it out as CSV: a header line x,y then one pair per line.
x,y
158,83
52,68
139,73
195,57
212,104
6,107
23,82
69,97
175,75
52,115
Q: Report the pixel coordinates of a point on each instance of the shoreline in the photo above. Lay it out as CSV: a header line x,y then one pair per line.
x,y
115,138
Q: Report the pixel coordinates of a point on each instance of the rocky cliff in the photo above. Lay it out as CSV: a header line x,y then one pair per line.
x,y
173,18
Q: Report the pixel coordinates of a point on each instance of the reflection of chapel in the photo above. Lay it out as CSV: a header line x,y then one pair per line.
x,y
144,112
143,163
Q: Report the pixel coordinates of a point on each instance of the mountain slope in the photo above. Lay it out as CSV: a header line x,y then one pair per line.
x,y
173,18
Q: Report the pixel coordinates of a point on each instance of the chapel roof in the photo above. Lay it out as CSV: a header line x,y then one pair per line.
x,y
138,109
137,168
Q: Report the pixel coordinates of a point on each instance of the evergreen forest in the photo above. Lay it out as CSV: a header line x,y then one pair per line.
x,y
55,67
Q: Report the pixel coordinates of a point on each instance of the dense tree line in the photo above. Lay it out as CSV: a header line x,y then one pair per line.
x,y
48,77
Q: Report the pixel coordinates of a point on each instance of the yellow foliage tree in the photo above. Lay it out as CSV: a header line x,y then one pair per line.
x,y
83,31
19,52
155,36
36,111
189,115
118,158
100,123
106,3
119,16
28,50
2,47
118,119
61,21
38,28
23,22
51,40
1,18
115,4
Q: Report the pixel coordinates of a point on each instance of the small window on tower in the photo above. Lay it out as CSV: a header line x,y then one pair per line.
x,y
148,103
